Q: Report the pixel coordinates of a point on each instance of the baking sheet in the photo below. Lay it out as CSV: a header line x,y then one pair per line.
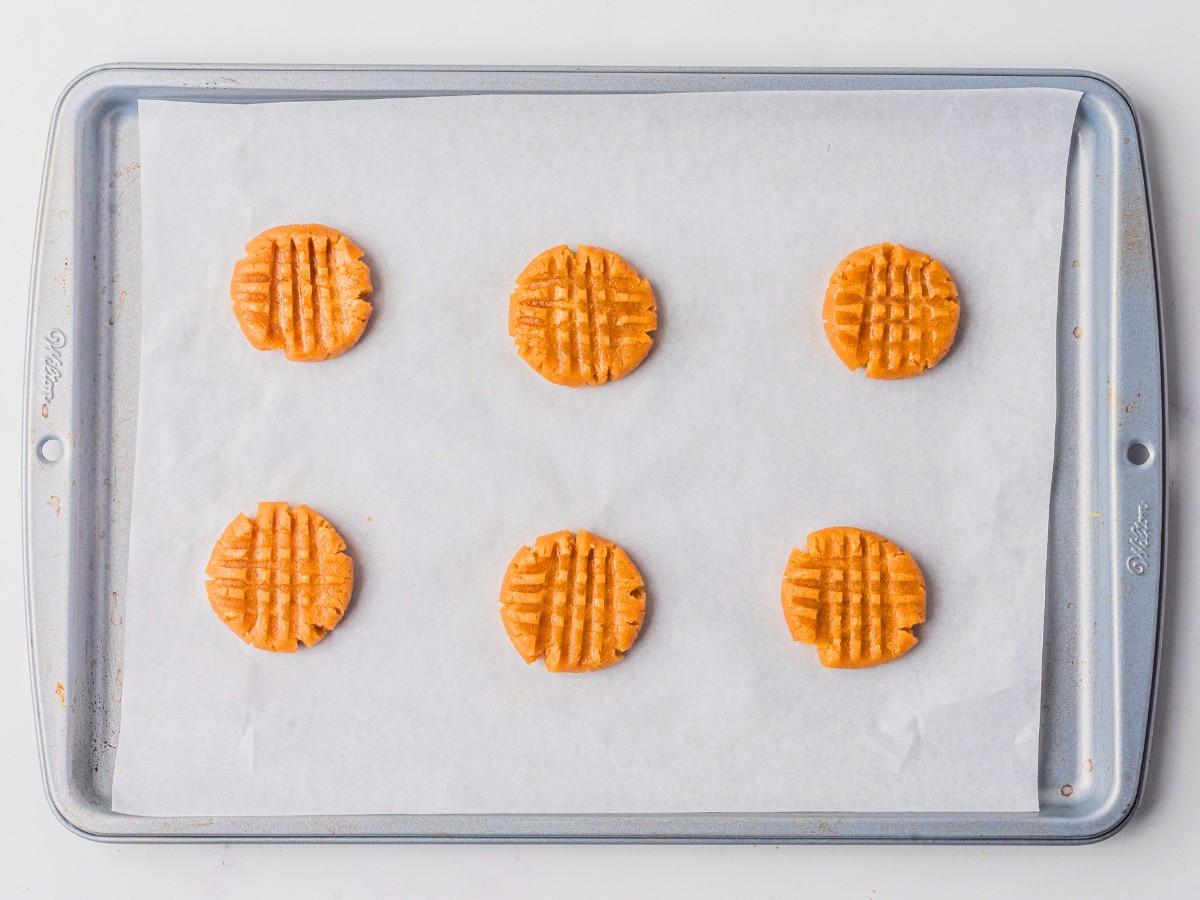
x,y
739,434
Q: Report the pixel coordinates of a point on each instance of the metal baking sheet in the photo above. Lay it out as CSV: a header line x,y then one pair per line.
x,y
1104,578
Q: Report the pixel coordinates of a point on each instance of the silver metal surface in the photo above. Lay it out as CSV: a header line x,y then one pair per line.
x,y
1104,584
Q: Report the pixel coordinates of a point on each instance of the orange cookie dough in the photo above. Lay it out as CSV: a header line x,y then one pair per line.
x,y
582,318
300,288
891,309
855,595
280,578
576,602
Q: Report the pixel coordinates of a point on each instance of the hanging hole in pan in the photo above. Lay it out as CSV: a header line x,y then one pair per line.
x,y
50,450
1139,454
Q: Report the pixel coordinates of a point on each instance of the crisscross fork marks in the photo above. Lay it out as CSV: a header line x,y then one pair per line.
x,y
300,288
891,309
582,317
281,578
855,595
575,601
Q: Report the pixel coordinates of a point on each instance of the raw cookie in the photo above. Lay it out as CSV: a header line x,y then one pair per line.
x,y
301,288
577,602
891,309
582,318
280,578
855,595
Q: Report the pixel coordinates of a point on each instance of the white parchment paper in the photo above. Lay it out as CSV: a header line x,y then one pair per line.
x,y
437,452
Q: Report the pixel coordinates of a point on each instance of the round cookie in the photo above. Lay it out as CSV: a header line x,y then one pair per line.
x,y
280,578
891,309
855,595
300,288
582,317
576,602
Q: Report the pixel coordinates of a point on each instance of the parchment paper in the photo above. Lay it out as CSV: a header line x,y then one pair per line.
x,y
437,452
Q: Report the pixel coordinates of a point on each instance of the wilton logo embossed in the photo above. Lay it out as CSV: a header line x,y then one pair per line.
x,y
52,362
1138,561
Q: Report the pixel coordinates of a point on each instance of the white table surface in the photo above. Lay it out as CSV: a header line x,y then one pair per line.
x,y
1148,47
